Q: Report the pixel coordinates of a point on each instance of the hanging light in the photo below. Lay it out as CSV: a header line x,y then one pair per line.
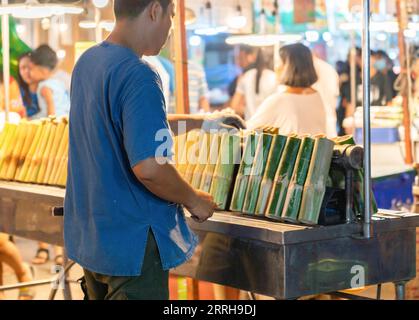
x,y
238,21
209,29
32,9
45,23
100,3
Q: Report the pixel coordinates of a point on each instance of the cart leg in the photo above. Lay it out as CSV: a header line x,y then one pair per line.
x,y
251,295
400,290
62,279
67,288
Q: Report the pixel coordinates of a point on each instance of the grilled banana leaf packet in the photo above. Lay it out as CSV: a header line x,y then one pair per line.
x,y
282,178
315,186
295,190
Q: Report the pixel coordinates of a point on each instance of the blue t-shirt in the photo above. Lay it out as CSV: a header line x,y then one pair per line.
x,y
117,108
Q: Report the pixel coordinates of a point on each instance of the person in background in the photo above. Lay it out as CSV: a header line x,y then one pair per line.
x,y
328,87
198,89
343,70
53,98
296,107
253,87
385,65
10,255
381,91
246,60
28,86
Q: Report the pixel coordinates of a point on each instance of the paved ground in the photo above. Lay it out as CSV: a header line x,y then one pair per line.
x,y
28,249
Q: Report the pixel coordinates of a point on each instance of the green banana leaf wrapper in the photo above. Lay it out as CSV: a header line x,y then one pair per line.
x,y
315,186
282,178
258,170
295,190
339,181
242,178
223,173
277,148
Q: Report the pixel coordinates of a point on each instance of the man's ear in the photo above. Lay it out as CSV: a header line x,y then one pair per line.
x,y
154,10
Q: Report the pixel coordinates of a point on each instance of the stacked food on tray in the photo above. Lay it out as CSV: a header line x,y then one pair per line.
x,y
35,151
259,173
262,173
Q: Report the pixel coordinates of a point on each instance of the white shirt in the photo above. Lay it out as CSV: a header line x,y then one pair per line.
x,y
291,113
247,87
328,87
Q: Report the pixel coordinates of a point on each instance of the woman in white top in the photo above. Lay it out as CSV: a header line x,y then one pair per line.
x,y
296,107
253,87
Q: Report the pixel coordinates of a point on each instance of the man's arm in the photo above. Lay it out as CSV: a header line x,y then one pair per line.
x,y
164,181
46,93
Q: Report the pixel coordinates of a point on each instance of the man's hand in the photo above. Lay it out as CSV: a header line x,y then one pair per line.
x,y
203,207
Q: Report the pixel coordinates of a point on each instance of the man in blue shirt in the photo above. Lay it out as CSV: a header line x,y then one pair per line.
x,y
124,221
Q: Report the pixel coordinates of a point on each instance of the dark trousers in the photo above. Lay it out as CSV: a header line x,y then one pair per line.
x,y
153,284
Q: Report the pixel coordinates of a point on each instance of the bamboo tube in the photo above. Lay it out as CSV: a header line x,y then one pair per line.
x,y
4,133
62,177
37,157
315,186
283,177
257,173
59,136
46,154
8,172
19,159
15,145
295,189
208,172
8,145
240,186
180,144
222,179
62,151
24,163
202,161
275,155
195,141
62,170
191,139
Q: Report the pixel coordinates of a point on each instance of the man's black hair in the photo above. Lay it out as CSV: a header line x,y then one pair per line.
x,y
133,8
44,56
